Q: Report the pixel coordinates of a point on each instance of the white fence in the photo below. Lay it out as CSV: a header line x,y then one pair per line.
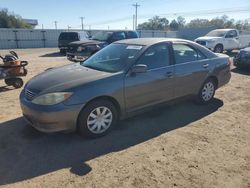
x,y
35,38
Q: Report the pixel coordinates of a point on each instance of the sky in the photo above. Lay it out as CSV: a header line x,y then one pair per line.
x,y
117,14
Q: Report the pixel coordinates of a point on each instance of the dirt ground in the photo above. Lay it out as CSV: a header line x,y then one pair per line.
x,y
179,145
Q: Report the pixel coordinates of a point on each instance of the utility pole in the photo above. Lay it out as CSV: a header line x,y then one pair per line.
x,y
82,22
133,22
136,5
69,27
55,24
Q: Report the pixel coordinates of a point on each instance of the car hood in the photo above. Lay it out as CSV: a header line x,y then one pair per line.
x,y
246,49
64,78
206,38
85,42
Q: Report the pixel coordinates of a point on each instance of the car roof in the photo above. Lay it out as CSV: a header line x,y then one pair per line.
x,y
149,41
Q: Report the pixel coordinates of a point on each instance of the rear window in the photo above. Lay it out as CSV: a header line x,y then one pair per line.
x,y
68,36
131,35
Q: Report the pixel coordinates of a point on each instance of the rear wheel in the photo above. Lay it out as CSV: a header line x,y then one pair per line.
x,y
218,48
97,118
207,91
15,82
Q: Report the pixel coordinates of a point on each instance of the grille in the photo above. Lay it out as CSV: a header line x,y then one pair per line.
x,y
72,49
29,95
201,42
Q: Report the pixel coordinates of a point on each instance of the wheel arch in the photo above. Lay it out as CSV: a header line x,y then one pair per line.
x,y
109,98
215,79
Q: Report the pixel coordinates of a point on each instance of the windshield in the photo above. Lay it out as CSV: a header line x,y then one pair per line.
x,y
113,58
102,35
216,33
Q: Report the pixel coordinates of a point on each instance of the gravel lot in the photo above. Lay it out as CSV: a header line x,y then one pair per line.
x,y
179,145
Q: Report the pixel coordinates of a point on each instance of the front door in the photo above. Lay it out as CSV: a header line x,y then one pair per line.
x,y
153,86
231,40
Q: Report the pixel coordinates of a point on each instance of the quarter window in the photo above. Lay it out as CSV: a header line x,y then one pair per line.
x,y
155,57
184,53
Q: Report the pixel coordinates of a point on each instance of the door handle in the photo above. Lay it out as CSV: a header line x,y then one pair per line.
x,y
169,74
206,65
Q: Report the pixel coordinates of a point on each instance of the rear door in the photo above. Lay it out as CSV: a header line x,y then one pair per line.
x,y
191,69
153,86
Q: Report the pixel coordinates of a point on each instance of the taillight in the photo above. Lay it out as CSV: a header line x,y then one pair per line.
x,y
230,62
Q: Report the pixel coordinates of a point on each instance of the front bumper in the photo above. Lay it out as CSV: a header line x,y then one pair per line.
x,y
242,62
53,118
208,44
76,57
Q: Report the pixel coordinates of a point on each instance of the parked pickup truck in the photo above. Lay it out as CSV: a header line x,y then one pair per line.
x,y
224,39
79,50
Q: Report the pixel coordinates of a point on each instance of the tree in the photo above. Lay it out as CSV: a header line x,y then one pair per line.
x,y
158,23
8,20
181,21
155,23
174,25
196,23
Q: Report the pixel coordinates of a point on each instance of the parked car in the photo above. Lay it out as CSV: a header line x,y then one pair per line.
x,y
66,37
120,80
224,39
77,51
242,59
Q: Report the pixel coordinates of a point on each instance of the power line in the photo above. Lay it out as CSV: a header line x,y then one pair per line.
x,y
174,14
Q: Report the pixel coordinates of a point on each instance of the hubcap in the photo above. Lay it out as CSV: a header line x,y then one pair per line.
x,y
218,49
99,120
208,91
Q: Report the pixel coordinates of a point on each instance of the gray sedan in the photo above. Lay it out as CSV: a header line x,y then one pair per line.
x,y
120,80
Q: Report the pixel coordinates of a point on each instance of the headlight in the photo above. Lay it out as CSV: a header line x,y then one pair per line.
x,y
52,98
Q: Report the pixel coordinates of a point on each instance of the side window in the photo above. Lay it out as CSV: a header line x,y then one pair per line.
x,y
155,57
231,34
118,36
184,53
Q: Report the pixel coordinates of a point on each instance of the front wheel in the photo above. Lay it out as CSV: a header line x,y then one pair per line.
x,y
207,91
17,83
218,48
97,118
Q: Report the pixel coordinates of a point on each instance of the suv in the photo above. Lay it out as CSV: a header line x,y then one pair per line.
x,y
66,37
79,50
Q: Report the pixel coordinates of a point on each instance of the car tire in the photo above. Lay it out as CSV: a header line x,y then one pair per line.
x,y
218,48
17,83
97,119
207,91
8,81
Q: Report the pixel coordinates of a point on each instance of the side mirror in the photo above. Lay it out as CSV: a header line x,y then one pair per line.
x,y
140,68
